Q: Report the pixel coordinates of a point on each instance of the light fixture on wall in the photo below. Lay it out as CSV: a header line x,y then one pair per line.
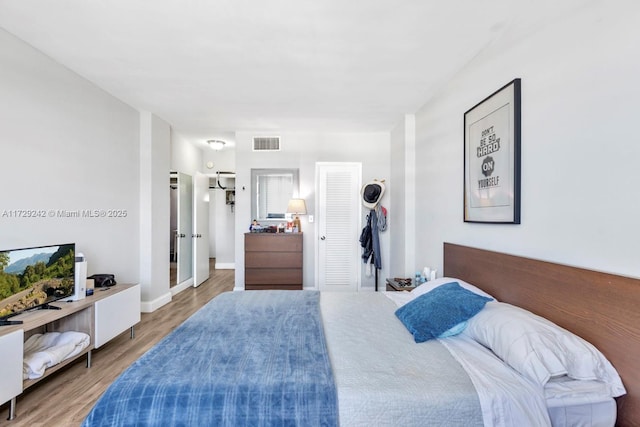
x,y
216,144
297,207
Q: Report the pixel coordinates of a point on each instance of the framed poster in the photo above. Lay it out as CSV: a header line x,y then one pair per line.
x,y
492,158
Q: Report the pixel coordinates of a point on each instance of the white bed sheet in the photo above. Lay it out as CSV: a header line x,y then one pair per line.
x,y
369,346
507,398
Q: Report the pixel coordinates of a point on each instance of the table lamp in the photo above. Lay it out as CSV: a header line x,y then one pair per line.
x,y
297,207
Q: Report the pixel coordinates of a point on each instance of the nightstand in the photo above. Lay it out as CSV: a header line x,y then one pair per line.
x,y
394,285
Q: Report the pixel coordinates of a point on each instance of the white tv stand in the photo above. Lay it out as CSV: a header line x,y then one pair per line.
x,y
103,315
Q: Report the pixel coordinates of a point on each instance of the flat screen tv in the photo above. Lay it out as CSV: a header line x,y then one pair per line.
x,y
31,278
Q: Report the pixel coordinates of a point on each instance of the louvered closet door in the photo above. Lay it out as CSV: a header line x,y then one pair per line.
x,y
338,216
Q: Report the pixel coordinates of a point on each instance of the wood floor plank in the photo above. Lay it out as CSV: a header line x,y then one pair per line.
x,y
66,397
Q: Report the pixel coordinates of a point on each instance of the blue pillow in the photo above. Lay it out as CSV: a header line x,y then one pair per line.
x,y
433,314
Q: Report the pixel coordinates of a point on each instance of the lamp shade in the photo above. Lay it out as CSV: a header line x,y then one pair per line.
x,y
297,206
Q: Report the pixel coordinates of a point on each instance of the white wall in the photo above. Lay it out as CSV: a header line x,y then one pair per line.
x,y
402,222
67,145
580,149
185,156
155,138
302,151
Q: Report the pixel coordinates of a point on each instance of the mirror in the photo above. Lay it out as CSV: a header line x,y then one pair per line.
x,y
271,190
185,227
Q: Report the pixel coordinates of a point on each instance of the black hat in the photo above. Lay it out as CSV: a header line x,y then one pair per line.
x,y
372,193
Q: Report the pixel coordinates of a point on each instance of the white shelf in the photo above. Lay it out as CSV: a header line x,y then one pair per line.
x,y
103,315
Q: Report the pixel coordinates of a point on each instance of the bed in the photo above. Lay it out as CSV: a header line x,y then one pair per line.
x,y
306,358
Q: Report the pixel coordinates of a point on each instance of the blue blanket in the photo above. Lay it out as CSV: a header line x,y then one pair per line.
x,y
255,358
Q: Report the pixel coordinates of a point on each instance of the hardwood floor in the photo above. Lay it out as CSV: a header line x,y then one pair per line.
x,y
66,397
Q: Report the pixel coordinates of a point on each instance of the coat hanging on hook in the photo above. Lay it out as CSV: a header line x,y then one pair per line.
x,y
372,193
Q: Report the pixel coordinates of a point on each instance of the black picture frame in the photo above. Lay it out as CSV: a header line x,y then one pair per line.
x,y
492,157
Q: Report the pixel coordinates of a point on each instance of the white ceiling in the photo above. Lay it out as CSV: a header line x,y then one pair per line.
x,y
211,67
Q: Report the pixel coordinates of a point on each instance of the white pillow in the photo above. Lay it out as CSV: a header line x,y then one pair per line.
x,y
399,298
539,349
432,284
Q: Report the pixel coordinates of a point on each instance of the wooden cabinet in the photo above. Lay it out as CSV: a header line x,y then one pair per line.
x,y
105,314
272,261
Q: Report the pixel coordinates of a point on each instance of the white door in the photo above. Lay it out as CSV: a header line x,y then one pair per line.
x,y
185,228
200,228
338,221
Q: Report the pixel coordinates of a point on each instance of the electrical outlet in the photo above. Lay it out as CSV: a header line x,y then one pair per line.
x,y
310,218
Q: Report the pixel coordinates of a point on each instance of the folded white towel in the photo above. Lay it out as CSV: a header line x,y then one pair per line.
x,y
42,351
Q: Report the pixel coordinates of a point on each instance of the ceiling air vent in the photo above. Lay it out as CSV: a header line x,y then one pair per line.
x,y
266,143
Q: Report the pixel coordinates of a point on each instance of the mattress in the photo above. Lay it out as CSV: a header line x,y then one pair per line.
x,y
601,414
579,403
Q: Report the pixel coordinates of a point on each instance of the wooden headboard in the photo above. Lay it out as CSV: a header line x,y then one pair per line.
x,y
602,308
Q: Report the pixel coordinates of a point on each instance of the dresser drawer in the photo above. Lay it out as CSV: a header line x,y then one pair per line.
x,y
268,276
266,287
273,259
269,242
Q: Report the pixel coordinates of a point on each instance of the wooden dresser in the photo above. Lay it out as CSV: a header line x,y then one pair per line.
x,y
272,261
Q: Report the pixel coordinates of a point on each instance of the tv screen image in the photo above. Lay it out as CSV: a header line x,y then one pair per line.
x,y
31,278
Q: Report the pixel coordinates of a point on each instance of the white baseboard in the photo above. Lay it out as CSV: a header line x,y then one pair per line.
x,y
225,266
151,306
182,286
